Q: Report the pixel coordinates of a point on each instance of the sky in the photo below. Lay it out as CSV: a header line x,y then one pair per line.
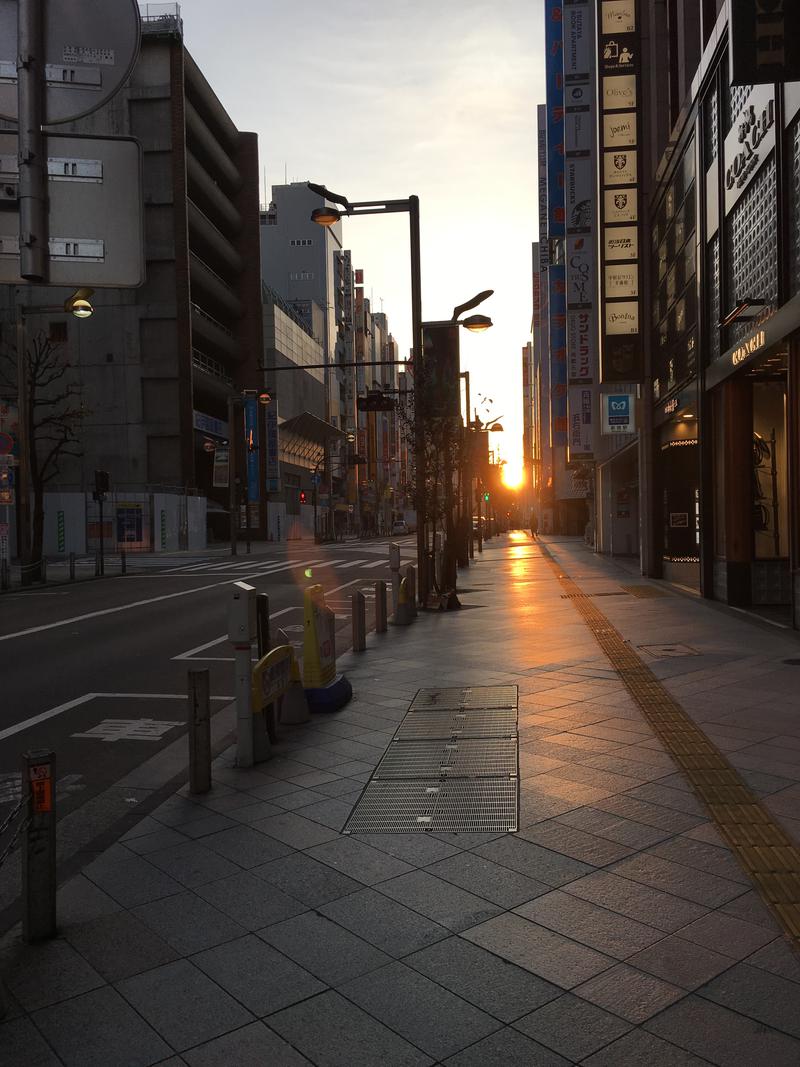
x,y
383,100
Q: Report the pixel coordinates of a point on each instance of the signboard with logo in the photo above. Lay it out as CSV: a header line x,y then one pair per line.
x,y
749,143
619,413
556,220
219,473
763,41
580,107
619,63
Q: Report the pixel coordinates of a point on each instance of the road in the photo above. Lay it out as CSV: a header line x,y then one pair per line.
x,y
97,670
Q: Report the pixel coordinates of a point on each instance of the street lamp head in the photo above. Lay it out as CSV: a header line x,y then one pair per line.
x,y
326,216
477,323
265,398
78,304
497,428
336,198
473,303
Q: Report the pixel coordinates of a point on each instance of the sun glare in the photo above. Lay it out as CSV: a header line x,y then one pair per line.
x,y
513,474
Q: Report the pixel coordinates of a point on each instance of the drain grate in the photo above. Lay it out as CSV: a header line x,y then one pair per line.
x,y
479,696
484,805
482,758
428,725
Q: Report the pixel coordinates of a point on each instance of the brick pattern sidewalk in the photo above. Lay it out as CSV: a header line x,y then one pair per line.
x,y
614,928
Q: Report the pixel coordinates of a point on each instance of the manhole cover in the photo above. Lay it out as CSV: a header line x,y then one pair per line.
x,y
662,651
483,805
464,722
479,696
491,757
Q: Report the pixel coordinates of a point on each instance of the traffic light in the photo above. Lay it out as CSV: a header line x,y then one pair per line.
x,y
302,496
486,497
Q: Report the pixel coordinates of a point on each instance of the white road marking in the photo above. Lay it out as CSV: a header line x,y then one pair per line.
x,y
52,712
218,640
127,607
352,563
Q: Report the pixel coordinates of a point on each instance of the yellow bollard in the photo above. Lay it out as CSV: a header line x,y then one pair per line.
x,y
404,612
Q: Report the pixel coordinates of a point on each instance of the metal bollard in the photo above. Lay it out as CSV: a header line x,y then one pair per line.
x,y
44,570
123,561
394,565
72,566
380,608
199,730
359,610
97,564
39,846
411,579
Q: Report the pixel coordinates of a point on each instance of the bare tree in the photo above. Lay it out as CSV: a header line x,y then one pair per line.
x,y
55,418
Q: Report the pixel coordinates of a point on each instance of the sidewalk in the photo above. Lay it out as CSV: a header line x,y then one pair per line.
x,y
615,928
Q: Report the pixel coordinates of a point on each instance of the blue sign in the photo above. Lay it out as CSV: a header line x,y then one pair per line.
x,y
273,464
316,479
251,447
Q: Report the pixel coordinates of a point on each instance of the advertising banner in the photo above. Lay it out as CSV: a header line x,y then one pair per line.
x,y
273,465
556,227
251,447
581,409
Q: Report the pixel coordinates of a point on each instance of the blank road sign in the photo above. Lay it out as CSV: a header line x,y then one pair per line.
x,y
90,47
94,190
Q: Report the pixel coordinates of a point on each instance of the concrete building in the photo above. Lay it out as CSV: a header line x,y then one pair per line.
x,y
156,365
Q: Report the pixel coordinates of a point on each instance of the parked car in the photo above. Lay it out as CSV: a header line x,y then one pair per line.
x,y
400,527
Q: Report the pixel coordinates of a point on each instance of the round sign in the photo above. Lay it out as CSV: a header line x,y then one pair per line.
x,y
6,444
90,47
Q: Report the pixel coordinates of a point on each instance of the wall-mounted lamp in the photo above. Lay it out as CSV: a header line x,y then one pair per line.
x,y
744,305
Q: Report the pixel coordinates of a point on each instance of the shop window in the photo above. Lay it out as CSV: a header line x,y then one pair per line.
x,y
770,503
713,285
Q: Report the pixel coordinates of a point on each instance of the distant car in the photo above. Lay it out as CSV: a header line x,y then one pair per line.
x,y
400,527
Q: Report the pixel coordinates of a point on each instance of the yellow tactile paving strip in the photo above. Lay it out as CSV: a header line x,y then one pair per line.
x,y
763,848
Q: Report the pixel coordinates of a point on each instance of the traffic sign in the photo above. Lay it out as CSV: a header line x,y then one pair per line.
x,y
316,479
90,47
95,226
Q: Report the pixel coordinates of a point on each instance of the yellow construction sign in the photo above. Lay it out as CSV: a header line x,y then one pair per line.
x,y
271,677
319,644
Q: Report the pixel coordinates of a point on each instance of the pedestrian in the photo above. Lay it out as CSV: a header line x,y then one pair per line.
x,y
534,524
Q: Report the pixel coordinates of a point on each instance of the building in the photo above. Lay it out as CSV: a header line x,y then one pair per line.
x,y
157,365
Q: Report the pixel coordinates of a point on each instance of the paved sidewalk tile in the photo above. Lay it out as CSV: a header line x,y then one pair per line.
x,y
639,1047
768,998
635,900
681,962
245,899
441,901
336,1033
306,879
256,975
41,974
421,1011
358,860
484,979
21,1043
192,864
182,1004
488,879
722,1036
324,948
572,1026
541,864
251,1046
507,1047
91,1030
553,957
615,935
631,993
245,846
188,923
129,879
385,923
118,946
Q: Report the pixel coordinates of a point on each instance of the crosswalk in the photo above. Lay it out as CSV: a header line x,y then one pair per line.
x,y
263,567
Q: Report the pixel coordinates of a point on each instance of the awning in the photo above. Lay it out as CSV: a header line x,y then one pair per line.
x,y
305,435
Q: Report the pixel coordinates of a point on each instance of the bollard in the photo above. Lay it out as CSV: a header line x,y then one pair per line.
x,y
44,570
72,566
199,730
242,630
402,615
380,607
394,565
123,561
262,623
359,612
97,564
411,578
39,846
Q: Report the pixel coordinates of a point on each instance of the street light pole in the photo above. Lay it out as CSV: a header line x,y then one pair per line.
x,y
233,503
419,387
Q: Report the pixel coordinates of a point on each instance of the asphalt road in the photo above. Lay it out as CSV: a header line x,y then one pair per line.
x,y
97,670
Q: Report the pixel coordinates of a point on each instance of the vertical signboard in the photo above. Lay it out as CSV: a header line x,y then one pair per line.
x,y
273,465
251,447
556,230
619,70
580,222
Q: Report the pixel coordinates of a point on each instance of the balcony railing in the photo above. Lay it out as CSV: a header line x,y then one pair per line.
x,y
156,18
210,366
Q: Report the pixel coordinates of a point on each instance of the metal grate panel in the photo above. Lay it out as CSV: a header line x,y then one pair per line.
x,y
484,805
477,758
466,722
479,696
